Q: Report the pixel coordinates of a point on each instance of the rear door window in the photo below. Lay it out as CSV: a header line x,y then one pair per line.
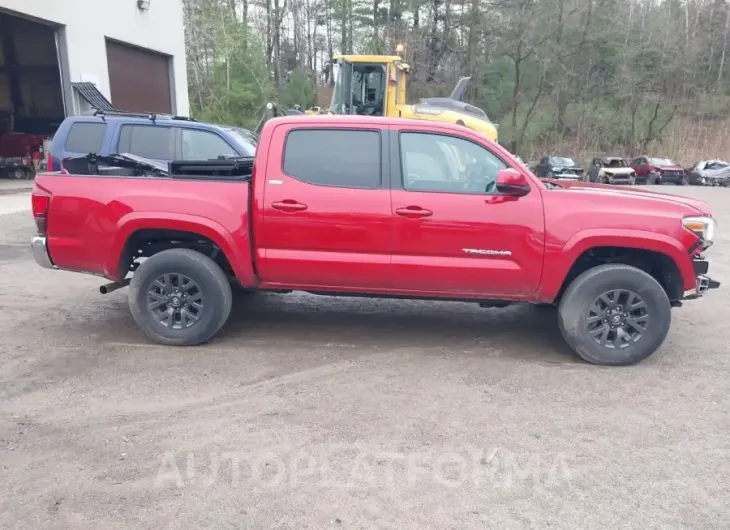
x,y
148,141
85,137
344,158
204,145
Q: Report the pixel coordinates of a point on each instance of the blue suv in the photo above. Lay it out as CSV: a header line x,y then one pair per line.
x,y
159,137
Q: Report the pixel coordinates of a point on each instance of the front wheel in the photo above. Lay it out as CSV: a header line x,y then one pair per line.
x,y
683,181
614,315
180,297
652,178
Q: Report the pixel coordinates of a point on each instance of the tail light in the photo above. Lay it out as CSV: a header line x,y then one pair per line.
x,y
40,202
49,163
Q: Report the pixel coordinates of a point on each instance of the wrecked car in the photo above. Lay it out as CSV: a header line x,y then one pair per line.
x,y
611,170
558,167
709,173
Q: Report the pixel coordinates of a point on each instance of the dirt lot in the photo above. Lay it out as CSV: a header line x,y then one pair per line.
x,y
311,412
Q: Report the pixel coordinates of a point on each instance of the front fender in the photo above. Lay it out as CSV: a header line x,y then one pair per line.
x,y
236,248
561,259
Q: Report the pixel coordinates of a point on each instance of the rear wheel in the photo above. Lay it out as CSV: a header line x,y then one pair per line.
x,y
614,315
180,297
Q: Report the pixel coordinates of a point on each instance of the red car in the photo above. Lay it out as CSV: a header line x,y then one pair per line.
x,y
656,170
381,207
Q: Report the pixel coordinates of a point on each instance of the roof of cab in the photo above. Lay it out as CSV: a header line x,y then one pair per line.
x,y
373,121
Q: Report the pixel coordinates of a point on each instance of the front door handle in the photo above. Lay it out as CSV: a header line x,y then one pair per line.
x,y
289,205
414,212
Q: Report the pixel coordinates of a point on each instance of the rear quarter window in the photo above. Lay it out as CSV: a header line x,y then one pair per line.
x,y
85,137
343,158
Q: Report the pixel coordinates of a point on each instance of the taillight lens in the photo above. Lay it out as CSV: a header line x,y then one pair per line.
x,y
49,163
40,202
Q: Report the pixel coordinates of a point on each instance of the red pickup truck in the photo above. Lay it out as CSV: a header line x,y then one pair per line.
x,y
348,205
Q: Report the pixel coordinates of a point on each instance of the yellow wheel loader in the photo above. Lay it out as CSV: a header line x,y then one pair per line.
x,y
375,85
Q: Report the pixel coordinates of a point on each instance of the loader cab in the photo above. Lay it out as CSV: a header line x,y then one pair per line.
x,y
368,85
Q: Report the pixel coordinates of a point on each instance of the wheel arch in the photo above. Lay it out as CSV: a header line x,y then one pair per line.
x,y
657,254
152,232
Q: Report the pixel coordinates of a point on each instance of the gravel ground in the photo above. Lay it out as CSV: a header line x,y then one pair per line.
x,y
314,412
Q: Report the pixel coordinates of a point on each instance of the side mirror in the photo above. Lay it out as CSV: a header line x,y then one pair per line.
x,y
513,183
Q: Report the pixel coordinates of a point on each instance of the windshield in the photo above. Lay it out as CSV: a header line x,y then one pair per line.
x,y
661,162
359,89
615,162
563,161
245,140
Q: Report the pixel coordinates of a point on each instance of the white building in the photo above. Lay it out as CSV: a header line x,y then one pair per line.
x,y
58,57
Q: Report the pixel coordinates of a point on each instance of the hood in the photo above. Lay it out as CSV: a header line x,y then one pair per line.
x,y
641,193
561,166
618,170
670,168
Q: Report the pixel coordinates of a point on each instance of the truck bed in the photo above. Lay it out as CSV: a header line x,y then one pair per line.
x,y
90,218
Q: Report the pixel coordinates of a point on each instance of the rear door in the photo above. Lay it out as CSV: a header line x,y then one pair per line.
x,y
327,219
453,231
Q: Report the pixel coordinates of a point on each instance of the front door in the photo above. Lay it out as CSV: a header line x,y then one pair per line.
x,y
453,231
327,219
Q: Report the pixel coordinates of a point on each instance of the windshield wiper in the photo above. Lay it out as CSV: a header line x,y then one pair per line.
x,y
129,161
141,162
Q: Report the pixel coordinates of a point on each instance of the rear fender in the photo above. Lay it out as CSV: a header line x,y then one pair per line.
x,y
238,254
561,260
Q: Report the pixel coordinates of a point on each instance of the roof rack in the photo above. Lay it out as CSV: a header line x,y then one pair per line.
x,y
124,113
149,115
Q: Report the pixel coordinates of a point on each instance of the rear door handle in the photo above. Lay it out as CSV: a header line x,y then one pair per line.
x,y
289,205
413,212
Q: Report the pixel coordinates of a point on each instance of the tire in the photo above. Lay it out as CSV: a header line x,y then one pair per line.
x,y
577,302
683,181
604,180
651,178
19,174
211,282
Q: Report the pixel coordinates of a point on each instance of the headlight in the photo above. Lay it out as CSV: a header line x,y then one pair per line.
x,y
704,227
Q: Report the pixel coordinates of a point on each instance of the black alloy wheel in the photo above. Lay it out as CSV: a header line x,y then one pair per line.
x,y
614,314
180,297
175,301
617,318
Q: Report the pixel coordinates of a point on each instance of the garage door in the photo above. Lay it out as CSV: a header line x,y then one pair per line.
x,y
139,79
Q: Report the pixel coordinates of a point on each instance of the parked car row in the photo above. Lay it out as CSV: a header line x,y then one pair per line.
x,y
640,170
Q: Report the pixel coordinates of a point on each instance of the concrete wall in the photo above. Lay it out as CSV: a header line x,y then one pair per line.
x,y
88,22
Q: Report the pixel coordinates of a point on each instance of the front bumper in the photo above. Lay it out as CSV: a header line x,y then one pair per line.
x,y
703,282
620,179
568,176
39,247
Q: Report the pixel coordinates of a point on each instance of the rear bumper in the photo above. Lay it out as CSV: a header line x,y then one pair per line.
x,y
39,247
